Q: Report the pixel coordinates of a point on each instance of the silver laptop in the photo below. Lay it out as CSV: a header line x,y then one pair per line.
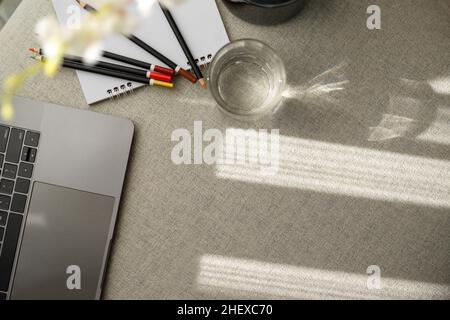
x,y
62,171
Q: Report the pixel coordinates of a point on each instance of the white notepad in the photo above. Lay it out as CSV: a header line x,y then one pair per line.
x,y
199,21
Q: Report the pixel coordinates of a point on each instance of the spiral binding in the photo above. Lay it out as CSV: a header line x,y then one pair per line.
x,y
121,90
203,62
125,89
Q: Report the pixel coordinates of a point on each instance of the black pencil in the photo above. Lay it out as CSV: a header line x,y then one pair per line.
x,y
148,48
137,63
116,67
184,45
67,63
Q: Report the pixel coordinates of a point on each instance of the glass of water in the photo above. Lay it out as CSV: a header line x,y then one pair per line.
x,y
247,79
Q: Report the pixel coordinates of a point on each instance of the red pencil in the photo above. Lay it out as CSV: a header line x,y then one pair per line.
x,y
106,65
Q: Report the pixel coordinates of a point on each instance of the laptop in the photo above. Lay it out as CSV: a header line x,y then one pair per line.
x,y
62,172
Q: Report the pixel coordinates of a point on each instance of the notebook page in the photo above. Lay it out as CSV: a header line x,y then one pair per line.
x,y
97,87
200,24
198,20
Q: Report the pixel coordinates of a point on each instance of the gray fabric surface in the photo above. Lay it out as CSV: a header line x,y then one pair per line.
x,y
174,217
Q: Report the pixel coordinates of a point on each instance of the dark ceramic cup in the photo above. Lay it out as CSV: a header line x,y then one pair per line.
x,y
265,12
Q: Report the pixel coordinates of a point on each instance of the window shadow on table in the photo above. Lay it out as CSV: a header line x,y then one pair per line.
x,y
407,116
383,112
345,199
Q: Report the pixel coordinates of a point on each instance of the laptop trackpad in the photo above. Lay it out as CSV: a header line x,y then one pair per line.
x,y
64,244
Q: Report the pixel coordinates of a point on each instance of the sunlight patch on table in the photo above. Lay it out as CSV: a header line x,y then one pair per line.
x,y
351,171
241,277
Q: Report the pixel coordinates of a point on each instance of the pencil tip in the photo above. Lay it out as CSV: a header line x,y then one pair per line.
x,y
202,83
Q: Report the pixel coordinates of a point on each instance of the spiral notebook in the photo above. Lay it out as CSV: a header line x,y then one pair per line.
x,y
199,21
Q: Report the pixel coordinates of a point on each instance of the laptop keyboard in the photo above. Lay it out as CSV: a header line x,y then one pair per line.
x,y
18,150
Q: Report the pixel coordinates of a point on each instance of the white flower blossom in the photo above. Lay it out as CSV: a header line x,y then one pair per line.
x,y
113,16
85,39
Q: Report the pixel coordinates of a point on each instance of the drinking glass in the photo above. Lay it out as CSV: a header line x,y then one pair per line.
x,y
247,79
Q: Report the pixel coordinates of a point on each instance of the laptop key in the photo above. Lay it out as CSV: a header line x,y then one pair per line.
x,y
28,154
32,139
10,171
6,186
25,170
9,247
18,203
4,134
15,145
25,153
3,217
4,202
32,155
22,185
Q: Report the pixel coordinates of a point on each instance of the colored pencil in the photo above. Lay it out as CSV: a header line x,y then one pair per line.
x,y
127,60
148,48
138,63
184,45
117,67
111,73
